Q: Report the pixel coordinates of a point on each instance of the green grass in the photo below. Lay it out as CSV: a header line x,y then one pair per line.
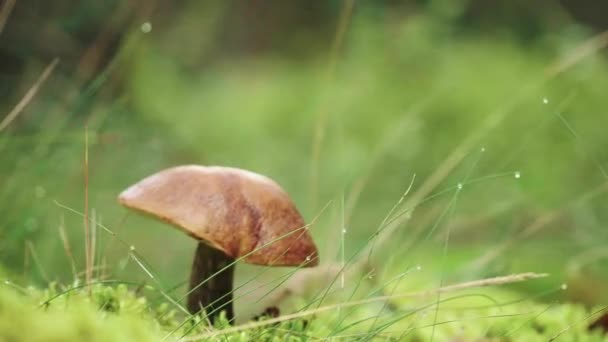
x,y
405,98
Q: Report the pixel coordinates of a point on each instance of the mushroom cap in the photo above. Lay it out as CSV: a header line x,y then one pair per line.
x,y
239,212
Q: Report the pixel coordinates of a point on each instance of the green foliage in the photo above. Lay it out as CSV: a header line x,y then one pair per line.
x,y
396,99
401,97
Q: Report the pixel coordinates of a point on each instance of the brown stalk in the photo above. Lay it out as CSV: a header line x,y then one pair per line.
x,y
214,293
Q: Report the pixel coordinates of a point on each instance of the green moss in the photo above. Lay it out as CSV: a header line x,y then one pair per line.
x,y
111,313
73,318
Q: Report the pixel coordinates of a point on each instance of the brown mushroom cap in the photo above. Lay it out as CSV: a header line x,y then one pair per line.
x,y
233,210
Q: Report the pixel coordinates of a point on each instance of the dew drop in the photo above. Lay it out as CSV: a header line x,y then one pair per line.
x,y
370,276
146,27
459,186
483,149
6,282
517,175
343,230
564,287
418,268
545,100
132,248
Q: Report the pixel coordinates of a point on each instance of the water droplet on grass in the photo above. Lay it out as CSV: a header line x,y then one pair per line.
x,y
343,230
483,149
418,268
6,282
460,186
564,287
517,175
146,27
132,248
545,100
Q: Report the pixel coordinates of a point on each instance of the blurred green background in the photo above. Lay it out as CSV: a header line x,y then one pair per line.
x,y
343,103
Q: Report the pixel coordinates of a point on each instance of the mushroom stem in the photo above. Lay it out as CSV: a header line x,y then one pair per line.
x,y
215,294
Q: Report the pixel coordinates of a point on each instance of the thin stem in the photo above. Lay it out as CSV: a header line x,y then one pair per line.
x,y
215,294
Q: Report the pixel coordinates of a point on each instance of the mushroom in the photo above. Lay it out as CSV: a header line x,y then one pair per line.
x,y
234,214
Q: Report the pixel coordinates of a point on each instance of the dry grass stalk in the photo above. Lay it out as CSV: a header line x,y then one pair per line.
x,y
514,278
6,7
66,246
27,98
321,122
36,260
87,228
